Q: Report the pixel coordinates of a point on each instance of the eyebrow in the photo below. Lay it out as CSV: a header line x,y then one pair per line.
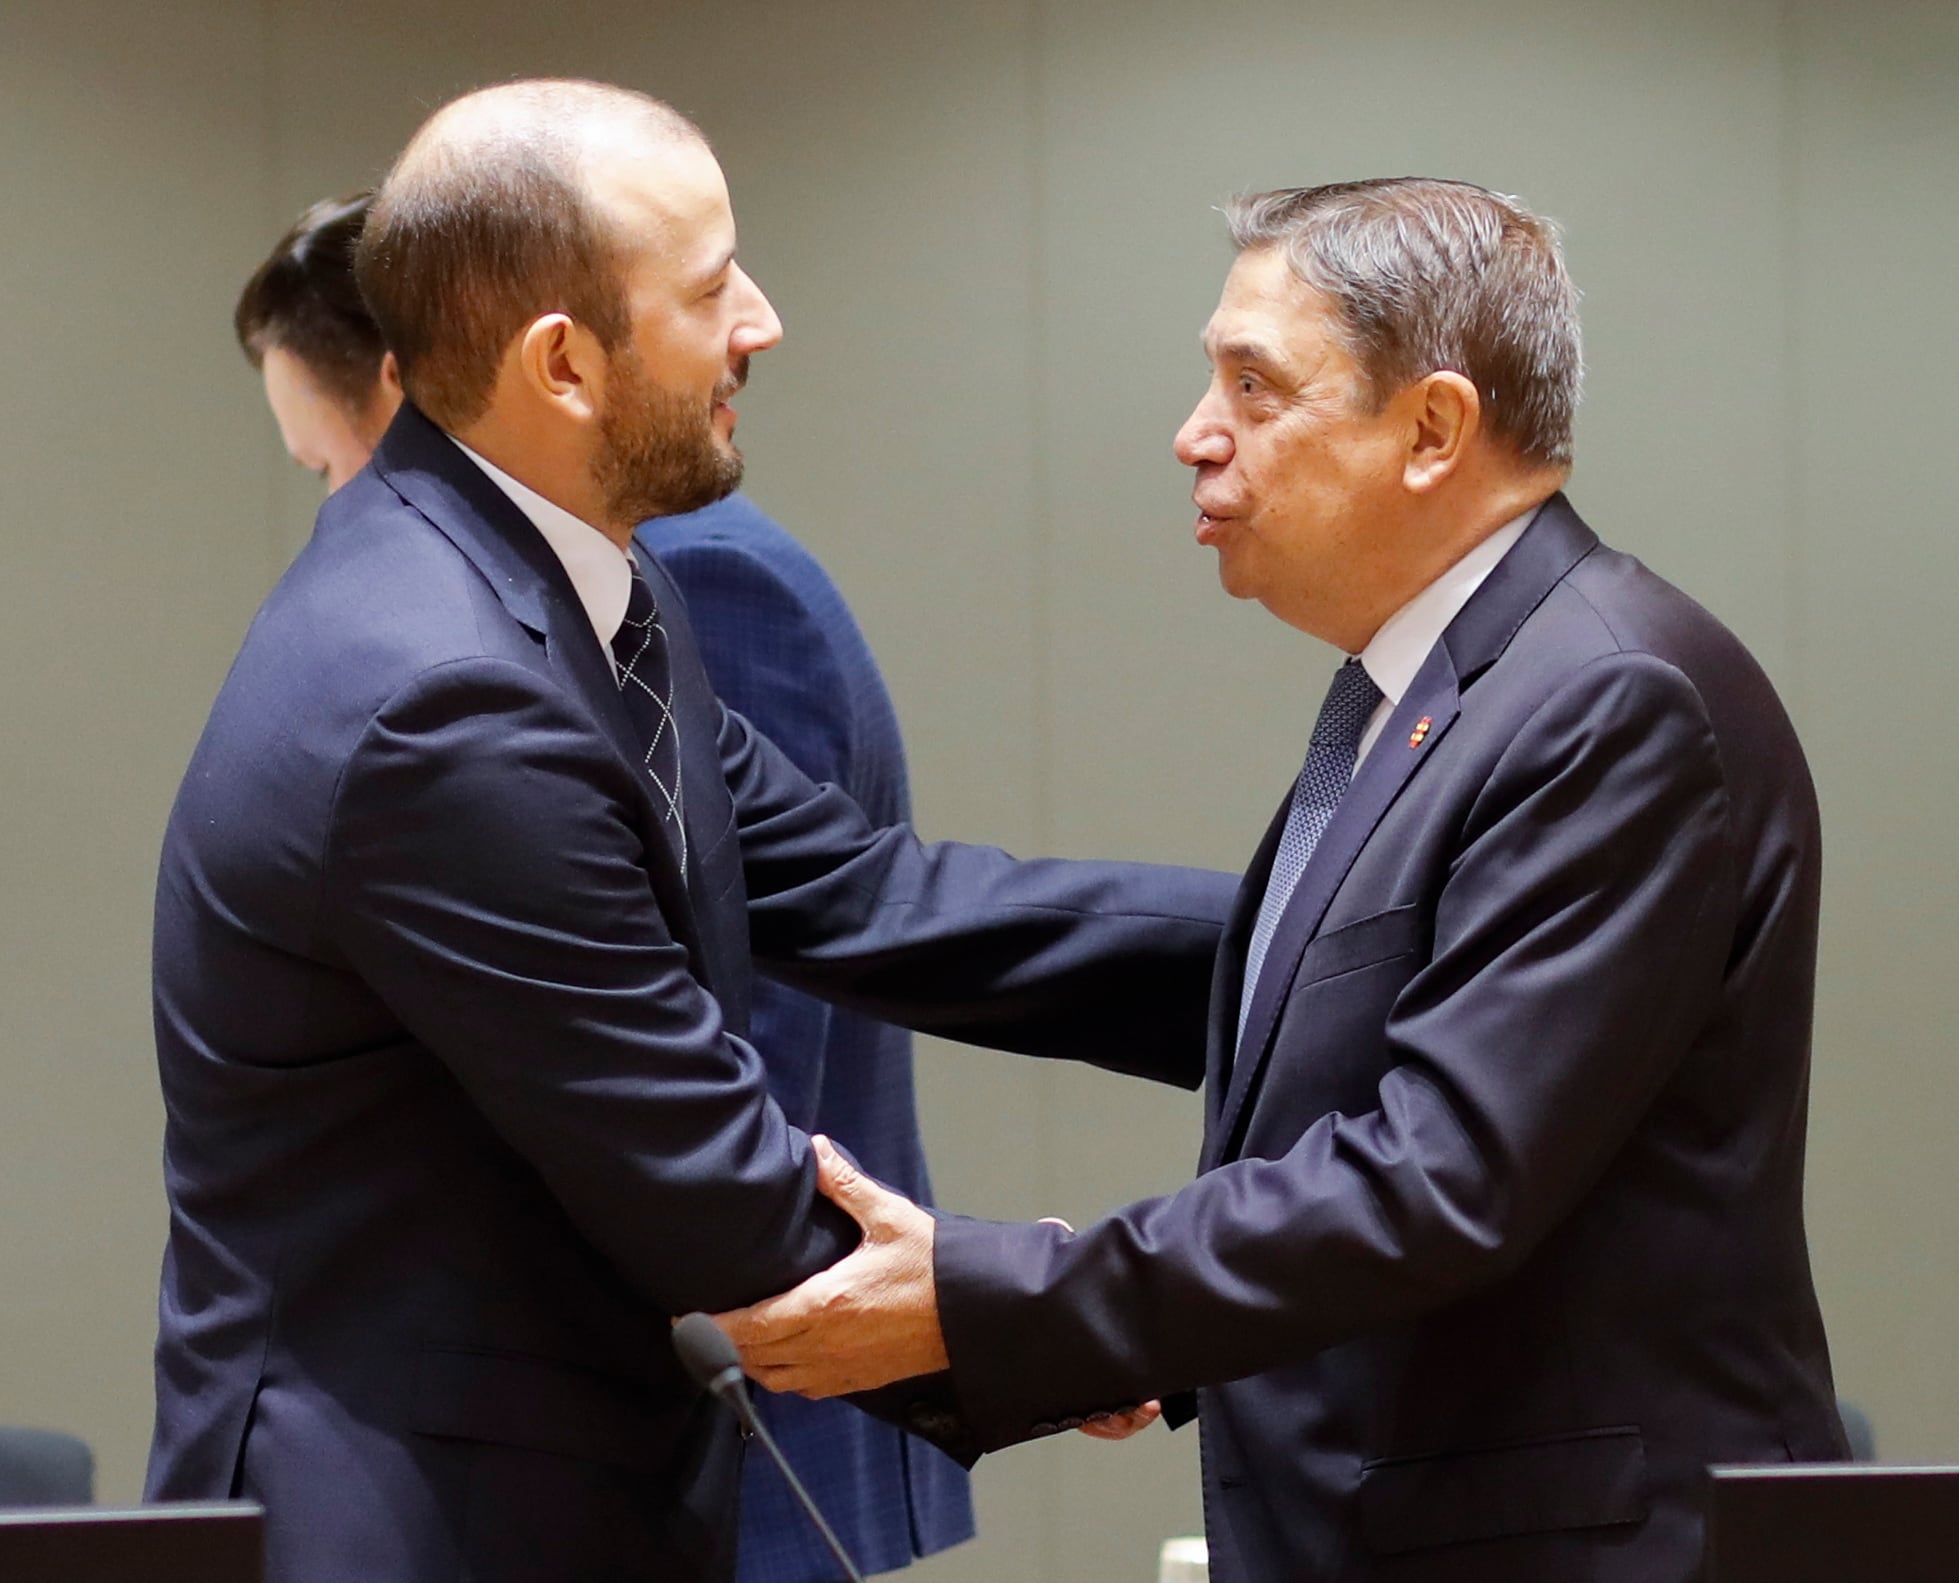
x,y
1241,352
726,258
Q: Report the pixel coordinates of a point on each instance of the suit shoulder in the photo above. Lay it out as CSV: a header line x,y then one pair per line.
x,y
376,599
378,588
742,576
1645,613
1642,610
1590,649
1613,614
736,534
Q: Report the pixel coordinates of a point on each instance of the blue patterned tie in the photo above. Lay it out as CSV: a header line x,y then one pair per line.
x,y
646,682
1329,770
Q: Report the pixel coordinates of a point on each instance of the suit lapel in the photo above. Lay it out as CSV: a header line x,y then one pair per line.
x,y
1228,971
1382,774
427,469
1555,542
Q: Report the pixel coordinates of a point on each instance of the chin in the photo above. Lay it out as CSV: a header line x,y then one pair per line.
x,y
1234,580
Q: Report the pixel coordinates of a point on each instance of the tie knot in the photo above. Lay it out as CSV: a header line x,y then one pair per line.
x,y
1350,703
636,626
640,607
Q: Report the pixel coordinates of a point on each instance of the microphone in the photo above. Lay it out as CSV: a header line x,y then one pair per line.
x,y
711,1359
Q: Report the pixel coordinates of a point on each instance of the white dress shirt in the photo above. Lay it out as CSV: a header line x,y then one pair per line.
x,y
601,573
1395,654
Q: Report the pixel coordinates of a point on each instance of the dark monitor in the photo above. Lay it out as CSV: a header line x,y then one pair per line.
x,y
143,1544
1847,1522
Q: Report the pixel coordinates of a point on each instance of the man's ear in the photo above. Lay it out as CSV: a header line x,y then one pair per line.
x,y
563,365
1446,413
383,401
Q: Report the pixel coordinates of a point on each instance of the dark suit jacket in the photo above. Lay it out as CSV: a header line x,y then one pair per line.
x,y
1498,1235
782,648
459,1110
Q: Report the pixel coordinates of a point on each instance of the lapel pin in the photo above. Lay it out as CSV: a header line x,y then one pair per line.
x,y
1420,734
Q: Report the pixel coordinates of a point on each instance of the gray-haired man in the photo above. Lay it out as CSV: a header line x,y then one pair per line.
x,y
1498,1236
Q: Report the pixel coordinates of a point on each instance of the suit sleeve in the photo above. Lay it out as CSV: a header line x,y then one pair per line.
x,y
1108,963
486,879
769,660
1579,941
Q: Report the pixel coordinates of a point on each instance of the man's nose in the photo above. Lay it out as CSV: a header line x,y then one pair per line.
x,y
759,328
1203,438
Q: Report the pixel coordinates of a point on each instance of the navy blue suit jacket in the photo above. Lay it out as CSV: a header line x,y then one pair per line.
x,y
459,1107
1498,1236
782,649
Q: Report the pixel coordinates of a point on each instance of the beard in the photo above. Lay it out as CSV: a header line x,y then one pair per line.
x,y
658,453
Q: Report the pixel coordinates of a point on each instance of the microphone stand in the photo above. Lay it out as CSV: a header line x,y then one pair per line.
x,y
704,1354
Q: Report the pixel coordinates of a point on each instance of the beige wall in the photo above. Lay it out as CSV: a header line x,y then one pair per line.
x,y
989,231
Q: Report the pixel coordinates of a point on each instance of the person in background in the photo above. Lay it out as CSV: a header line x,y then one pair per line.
x,y
780,646
329,381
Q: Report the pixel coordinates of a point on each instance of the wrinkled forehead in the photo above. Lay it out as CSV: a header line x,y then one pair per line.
x,y
1266,305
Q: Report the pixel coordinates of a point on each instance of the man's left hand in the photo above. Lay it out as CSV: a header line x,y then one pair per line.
x,y
871,1318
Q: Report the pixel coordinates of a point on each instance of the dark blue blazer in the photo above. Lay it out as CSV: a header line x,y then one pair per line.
x,y
782,648
460,1110
1498,1236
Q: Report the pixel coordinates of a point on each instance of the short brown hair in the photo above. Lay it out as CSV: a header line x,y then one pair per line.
x,y
1427,275
475,234
303,300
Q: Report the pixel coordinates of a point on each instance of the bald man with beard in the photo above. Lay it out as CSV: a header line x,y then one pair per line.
x,y
457,905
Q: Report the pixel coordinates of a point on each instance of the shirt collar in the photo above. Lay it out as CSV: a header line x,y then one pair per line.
x,y
1395,653
601,573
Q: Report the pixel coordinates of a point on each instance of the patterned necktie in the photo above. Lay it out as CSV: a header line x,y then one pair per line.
x,y
1324,780
646,684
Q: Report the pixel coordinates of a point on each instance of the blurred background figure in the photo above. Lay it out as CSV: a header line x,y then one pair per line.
x,y
44,1467
328,379
781,647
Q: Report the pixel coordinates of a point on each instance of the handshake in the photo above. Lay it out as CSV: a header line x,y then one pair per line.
x,y
1503,1034
872,1318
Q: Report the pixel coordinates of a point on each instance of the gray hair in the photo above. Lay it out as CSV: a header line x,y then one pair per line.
x,y
1427,275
